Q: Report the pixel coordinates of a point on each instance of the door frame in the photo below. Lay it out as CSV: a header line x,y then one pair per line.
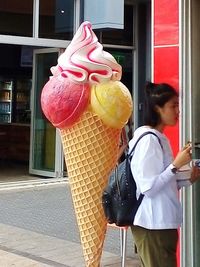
x,y
187,240
59,156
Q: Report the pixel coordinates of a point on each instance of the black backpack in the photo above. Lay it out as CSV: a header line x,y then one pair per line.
x,y
119,197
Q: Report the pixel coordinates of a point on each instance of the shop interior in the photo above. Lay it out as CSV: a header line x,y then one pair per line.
x,y
16,72
15,92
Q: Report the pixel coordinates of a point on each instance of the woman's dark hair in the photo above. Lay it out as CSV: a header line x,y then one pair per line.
x,y
156,95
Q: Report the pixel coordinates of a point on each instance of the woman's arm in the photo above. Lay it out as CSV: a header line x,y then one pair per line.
x,y
183,183
187,178
147,166
150,171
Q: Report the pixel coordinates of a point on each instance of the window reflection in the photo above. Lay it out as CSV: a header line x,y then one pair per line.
x,y
120,37
125,59
16,17
56,19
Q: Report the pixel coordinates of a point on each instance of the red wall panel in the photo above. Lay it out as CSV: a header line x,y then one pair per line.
x,y
166,65
166,55
166,69
166,25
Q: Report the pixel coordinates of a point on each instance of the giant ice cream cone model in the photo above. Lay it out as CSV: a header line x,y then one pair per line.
x,y
86,100
91,152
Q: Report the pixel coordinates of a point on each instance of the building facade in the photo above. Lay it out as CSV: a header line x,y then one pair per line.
x,y
175,49
160,42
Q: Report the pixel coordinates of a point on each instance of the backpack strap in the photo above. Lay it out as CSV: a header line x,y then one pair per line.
x,y
128,156
146,133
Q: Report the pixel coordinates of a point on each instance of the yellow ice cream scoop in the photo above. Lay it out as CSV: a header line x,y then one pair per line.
x,y
112,102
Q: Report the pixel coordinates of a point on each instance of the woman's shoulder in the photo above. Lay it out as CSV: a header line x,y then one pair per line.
x,y
148,139
144,129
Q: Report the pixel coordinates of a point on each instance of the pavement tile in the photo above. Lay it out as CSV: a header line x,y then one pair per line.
x,y
23,248
8,259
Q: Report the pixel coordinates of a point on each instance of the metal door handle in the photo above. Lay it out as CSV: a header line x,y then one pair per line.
x,y
197,145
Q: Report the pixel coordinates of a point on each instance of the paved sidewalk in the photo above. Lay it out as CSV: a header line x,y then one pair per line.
x,y
22,248
35,246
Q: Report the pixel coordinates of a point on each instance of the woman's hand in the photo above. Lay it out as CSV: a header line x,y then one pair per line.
x,y
183,157
195,174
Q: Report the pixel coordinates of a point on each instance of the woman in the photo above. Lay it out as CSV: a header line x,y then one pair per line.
x,y
158,177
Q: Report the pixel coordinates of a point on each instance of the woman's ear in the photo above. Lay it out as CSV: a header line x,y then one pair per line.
x,y
157,109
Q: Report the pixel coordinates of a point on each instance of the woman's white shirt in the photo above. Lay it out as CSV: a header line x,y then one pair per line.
x,y
150,165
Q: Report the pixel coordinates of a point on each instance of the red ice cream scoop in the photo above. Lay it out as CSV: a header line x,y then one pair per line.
x,y
64,101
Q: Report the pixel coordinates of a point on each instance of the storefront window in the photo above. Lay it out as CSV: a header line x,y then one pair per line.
x,y
117,36
125,59
16,17
56,19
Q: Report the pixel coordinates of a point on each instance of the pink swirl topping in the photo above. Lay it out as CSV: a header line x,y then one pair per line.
x,y
85,61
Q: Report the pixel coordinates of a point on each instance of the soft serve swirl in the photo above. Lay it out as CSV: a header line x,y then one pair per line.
x,y
85,61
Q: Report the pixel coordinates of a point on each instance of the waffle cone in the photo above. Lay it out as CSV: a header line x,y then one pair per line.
x,y
91,151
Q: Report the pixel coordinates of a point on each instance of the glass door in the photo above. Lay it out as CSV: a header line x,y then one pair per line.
x,y
46,155
195,80
190,233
